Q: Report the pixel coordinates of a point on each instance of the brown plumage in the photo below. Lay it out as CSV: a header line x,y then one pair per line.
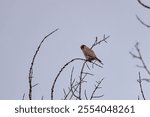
x,y
89,54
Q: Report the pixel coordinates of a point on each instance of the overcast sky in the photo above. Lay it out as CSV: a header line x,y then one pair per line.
x,y
24,23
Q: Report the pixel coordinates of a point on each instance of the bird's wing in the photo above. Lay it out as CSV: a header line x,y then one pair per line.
x,y
89,52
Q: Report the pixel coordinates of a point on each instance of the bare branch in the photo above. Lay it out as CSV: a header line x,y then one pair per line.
x,y
96,88
71,85
138,97
35,85
134,56
65,95
53,85
32,63
144,5
139,57
56,78
72,73
85,95
87,66
94,97
88,73
99,42
145,79
81,73
148,26
73,90
23,96
140,66
140,83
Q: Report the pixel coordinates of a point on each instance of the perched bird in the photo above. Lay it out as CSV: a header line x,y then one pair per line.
x,y
89,54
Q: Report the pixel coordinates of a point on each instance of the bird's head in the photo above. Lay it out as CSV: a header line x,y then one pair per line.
x,y
82,46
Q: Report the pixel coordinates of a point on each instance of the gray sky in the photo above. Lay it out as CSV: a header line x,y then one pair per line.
x,y
24,23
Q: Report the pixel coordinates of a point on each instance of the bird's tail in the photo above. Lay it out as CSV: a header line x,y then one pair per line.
x,y
99,61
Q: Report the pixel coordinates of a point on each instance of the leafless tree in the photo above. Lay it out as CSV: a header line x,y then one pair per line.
x,y
75,89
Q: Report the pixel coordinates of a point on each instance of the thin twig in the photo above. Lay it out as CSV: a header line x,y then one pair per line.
x,y
99,42
148,26
23,96
75,86
65,95
140,83
138,97
87,66
96,97
35,85
81,73
32,63
139,57
95,89
146,79
85,95
134,56
71,84
86,73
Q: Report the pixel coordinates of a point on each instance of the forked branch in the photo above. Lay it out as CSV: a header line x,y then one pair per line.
x,y
139,57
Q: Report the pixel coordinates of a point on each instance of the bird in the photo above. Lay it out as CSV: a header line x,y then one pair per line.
x,y
89,54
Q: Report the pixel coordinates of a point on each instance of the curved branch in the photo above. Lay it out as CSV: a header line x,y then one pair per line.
x,y
148,26
52,89
32,63
56,78
144,5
